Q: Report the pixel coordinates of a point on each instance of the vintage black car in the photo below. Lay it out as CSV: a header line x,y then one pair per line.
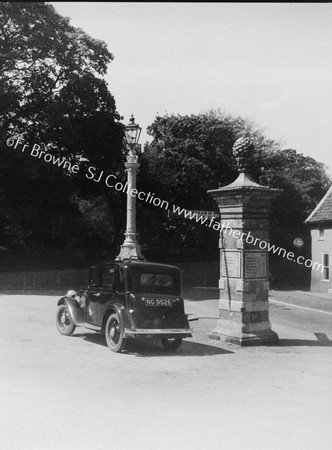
x,y
128,299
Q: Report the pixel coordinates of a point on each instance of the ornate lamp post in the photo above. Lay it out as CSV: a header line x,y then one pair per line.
x,y
130,249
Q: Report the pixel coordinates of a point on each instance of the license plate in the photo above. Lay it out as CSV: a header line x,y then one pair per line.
x,y
158,302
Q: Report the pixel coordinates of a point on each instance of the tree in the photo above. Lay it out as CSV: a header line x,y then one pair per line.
x,y
52,91
304,182
191,154
40,54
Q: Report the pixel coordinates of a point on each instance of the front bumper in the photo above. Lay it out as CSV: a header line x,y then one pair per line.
x,y
157,333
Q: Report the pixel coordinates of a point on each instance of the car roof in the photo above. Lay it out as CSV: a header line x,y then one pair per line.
x,y
135,264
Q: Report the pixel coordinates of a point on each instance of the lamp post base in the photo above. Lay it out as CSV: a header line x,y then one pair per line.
x,y
130,250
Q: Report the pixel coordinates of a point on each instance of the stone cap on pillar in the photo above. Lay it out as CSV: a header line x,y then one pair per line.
x,y
242,150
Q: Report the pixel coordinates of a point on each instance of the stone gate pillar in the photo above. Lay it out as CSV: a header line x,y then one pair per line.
x,y
244,236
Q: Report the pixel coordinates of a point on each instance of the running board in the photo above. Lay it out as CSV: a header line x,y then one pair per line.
x,y
88,325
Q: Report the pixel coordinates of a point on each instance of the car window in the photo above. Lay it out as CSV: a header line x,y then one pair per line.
x,y
121,280
156,279
108,277
94,281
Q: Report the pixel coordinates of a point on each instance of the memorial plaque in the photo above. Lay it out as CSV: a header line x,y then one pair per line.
x,y
230,264
255,265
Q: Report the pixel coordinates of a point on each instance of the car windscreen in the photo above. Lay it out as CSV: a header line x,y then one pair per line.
x,y
157,282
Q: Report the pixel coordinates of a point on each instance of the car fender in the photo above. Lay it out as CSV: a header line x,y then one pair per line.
x,y
74,309
120,309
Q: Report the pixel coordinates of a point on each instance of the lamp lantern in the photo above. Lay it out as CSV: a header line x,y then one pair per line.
x,y
132,132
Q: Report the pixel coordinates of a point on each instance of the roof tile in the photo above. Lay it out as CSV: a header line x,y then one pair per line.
x,y
323,211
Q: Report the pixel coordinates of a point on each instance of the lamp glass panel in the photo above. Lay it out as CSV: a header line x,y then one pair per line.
x,y
130,135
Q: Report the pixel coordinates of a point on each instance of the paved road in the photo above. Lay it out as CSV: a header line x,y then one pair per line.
x,y
297,311
64,393
303,311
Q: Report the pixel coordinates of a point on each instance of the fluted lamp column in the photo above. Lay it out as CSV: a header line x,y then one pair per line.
x,y
131,249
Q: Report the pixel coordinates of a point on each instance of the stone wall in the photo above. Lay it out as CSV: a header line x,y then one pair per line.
x,y
203,273
42,281
194,274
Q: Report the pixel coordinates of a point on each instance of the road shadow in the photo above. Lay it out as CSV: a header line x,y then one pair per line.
x,y
322,341
188,348
302,343
151,347
94,338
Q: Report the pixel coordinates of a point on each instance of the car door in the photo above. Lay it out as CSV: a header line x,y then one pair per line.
x,y
92,297
106,291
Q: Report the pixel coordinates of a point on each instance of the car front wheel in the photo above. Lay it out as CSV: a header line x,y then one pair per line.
x,y
171,344
63,321
113,333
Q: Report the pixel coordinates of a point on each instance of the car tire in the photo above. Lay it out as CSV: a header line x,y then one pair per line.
x,y
113,333
63,321
171,344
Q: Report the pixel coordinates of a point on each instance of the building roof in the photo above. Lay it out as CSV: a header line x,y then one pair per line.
x,y
323,211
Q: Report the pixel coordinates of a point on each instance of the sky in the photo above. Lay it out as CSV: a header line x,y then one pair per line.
x,y
268,62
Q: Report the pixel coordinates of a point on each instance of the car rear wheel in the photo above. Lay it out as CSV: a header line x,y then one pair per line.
x,y
171,344
113,333
63,321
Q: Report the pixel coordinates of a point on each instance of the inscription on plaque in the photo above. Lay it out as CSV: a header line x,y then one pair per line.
x,y
230,264
255,265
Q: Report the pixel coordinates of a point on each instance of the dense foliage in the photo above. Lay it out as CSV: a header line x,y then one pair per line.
x,y
191,154
52,92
